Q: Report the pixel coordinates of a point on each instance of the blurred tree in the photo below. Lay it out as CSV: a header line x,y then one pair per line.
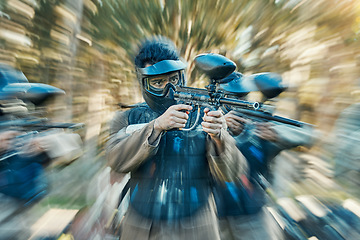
x,y
195,26
250,32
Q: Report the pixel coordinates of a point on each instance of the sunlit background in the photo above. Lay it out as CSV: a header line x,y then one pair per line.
x,y
86,48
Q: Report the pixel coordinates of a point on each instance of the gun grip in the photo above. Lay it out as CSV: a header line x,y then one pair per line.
x,y
196,121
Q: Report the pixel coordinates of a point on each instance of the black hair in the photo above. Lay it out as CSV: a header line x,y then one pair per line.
x,y
155,50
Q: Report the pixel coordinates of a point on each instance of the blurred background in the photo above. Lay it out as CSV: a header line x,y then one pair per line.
x,y
86,48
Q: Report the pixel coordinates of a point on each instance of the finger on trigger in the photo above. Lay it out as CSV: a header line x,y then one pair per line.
x,y
215,113
179,120
182,107
182,115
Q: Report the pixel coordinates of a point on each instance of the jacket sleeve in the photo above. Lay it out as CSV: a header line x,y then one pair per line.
x,y
291,136
128,145
229,165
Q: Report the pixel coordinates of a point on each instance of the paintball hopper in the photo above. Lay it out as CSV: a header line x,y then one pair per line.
x,y
14,84
215,66
268,83
232,85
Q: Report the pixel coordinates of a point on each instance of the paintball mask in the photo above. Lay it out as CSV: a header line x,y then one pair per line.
x,y
158,82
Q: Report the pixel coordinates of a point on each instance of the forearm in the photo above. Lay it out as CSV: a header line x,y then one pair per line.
x,y
126,151
290,136
228,164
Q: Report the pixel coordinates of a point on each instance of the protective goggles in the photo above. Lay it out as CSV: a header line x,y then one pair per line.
x,y
155,78
157,84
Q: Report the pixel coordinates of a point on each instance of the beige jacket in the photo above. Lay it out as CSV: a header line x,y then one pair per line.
x,y
129,147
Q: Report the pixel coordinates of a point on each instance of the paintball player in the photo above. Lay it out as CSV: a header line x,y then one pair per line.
x,y
240,204
22,182
28,144
171,170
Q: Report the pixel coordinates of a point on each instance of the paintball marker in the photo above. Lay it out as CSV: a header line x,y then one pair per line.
x,y
269,84
216,67
221,92
38,124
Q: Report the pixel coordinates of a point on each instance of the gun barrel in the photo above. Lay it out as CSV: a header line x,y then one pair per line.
x,y
240,103
270,117
22,122
64,125
42,123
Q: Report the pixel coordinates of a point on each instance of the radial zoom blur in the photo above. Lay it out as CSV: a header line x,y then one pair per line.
x,y
262,142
